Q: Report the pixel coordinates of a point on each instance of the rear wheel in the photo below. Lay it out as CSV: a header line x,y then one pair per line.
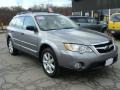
x,y
11,48
49,63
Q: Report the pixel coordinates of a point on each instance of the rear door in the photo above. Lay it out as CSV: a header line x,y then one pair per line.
x,y
16,29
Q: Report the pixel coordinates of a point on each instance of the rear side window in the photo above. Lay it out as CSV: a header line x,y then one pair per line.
x,y
13,21
17,22
29,22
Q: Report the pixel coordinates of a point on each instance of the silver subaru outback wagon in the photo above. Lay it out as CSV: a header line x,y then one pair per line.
x,y
59,42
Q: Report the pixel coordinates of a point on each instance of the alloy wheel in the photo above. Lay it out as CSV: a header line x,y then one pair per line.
x,y
48,63
10,46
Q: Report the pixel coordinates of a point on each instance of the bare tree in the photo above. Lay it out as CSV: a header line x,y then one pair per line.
x,y
6,14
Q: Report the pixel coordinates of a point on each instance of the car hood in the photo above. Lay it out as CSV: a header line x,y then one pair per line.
x,y
82,36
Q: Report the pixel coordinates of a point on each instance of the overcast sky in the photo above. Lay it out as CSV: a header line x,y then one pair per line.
x,y
29,3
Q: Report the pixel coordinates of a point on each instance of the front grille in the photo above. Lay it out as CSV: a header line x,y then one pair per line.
x,y
104,48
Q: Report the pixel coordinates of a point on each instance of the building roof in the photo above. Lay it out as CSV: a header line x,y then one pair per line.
x,y
94,4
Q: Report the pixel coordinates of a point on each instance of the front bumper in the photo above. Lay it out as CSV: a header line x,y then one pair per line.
x,y
68,59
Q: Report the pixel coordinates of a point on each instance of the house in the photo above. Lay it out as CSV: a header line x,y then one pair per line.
x,y
94,8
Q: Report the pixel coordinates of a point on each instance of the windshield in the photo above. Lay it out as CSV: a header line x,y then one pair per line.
x,y
54,22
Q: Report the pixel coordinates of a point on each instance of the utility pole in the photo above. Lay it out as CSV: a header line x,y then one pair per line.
x,y
19,3
92,13
49,2
109,13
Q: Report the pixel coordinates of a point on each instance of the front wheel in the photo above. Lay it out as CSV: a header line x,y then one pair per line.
x,y
49,63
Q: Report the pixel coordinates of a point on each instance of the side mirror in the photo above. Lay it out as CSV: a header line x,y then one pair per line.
x,y
31,28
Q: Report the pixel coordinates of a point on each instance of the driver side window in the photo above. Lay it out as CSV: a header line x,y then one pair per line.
x,y
29,22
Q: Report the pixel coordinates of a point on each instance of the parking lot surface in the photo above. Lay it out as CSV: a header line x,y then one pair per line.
x,y
24,72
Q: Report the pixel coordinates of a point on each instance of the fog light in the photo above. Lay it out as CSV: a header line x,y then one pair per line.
x,y
78,66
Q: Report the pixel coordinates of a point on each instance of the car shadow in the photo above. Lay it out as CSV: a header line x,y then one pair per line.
x,y
71,75
33,59
106,72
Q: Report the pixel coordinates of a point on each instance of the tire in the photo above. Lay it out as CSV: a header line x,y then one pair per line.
x,y
11,48
49,63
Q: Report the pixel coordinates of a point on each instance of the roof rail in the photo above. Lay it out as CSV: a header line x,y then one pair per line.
x,y
25,12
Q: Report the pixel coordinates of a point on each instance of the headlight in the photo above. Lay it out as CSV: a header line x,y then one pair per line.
x,y
77,48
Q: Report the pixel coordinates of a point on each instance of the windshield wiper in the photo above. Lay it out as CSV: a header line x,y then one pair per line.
x,y
55,29
60,28
68,27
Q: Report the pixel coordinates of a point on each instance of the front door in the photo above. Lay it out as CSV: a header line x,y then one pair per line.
x,y
30,38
